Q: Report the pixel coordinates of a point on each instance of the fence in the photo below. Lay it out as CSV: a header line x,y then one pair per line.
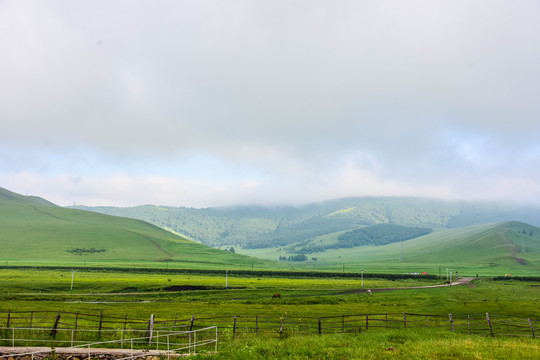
x,y
160,343
484,324
71,329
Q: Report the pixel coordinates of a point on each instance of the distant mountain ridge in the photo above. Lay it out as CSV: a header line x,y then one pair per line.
x,y
261,227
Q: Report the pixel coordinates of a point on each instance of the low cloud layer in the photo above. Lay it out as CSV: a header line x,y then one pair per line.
x,y
212,103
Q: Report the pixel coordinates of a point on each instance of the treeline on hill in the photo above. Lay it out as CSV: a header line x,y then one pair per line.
x,y
291,233
381,234
376,235
262,227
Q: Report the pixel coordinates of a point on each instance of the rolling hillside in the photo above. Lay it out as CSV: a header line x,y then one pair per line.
x,y
492,249
35,231
265,227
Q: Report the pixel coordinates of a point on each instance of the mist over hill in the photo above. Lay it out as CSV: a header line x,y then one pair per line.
x,y
270,226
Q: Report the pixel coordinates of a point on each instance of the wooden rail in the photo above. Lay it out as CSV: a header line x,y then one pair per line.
x,y
85,327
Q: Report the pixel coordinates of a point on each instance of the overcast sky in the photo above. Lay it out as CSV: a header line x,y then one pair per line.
x,y
210,103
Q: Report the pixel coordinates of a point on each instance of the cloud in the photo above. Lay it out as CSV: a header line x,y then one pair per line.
x,y
390,97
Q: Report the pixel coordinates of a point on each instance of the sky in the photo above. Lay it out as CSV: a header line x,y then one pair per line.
x,y
214,103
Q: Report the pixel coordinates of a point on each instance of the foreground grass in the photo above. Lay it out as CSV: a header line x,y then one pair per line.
x,y
140,295
137,295
390,344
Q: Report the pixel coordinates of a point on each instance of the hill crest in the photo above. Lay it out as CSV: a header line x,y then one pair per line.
x,y
260,227
35,230
6,195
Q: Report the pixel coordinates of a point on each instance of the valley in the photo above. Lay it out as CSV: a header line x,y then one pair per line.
x,y
73,261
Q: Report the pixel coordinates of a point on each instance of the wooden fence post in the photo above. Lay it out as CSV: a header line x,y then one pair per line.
x,y
76,320
76,323
367,321
192,320
256,324
8,317
234,326
489,324
469,324
530,326
320,330
385,321
150,330
100,321
451,322
281,326
55,326
404,321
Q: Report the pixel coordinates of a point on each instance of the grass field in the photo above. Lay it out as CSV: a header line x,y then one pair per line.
x,y
413,344
138,295
489,250
35,232
49,290
101,249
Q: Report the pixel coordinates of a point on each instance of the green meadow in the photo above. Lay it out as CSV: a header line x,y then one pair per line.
x,y
35,232
38,233
138,295
57,259
29,289
488,250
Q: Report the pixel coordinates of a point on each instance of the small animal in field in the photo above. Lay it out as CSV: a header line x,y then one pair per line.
x,y
368,292
276,295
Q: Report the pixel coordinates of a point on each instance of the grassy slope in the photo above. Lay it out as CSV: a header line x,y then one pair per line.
x,y
259,227
493,249
36,231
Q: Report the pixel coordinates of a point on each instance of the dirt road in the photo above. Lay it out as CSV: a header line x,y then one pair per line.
x,y
460,281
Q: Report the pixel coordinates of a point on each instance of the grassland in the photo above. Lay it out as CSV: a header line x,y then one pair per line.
x,y
100,249
35,231
413,344
492,250
49,290
38,233
138,294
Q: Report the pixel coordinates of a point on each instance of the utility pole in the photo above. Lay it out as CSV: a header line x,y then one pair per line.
x,y
72,274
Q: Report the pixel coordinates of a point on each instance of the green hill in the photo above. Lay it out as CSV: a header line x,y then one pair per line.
x,y
265,227
493,249
35,231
